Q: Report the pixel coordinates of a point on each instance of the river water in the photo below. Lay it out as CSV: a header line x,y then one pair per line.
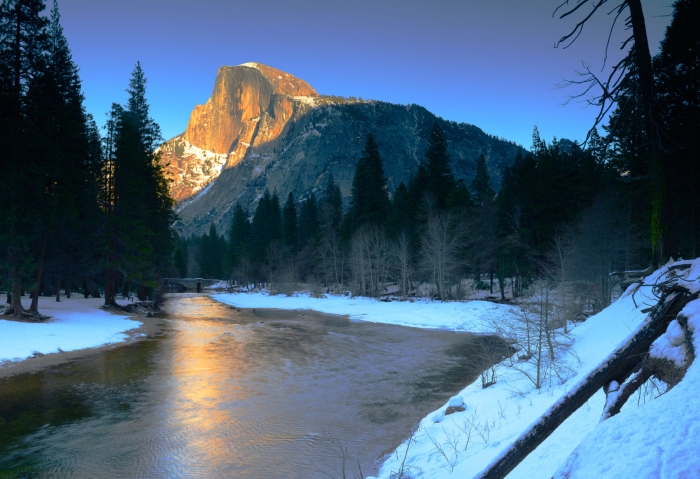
x,y
221,393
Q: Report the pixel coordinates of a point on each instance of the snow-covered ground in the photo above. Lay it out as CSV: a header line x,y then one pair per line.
x,y
75,323
657,439
220,285
418,314
660,439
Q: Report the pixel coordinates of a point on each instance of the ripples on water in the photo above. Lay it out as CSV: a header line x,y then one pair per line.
x,y
226,393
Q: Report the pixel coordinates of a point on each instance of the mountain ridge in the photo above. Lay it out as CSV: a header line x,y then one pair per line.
x,y
254,134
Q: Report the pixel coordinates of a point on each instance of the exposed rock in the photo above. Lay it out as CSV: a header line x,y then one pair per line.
x,y
454,409
263,128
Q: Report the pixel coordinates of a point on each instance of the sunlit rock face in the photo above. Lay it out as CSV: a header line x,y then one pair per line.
x,y
263,128
250,105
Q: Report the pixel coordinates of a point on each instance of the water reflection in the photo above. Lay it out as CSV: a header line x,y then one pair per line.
x,y
229,393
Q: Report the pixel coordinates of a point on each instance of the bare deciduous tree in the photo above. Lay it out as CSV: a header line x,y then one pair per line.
x,y
401,263
333,257
561,256
440,245
369,259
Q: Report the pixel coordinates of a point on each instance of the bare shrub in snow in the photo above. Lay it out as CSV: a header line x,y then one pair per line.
x,y
405,471
484,431
447,450
488,354
468,428
542,352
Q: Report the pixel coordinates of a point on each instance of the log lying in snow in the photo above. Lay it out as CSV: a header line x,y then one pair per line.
x,y
616,367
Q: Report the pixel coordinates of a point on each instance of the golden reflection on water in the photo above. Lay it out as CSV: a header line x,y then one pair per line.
x,y
204,381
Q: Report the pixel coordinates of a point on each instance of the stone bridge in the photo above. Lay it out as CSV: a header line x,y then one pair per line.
x,y
187,285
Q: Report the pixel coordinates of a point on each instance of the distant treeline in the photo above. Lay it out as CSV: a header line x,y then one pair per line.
x,y
79,211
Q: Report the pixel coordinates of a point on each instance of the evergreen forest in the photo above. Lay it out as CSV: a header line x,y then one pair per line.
x,y
80,210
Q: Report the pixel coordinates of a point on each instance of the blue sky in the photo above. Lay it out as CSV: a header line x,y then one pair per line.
x,y
491,63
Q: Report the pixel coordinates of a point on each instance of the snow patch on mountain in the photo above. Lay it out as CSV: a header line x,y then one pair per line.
x,y
196,167
306,100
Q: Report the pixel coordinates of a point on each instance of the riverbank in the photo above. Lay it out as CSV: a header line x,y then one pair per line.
x,y
464,443
456,316
77,327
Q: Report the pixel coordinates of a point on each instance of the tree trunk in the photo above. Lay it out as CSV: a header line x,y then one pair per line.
x,y
58,288
109,288
662,229
34,307
16,299
618,366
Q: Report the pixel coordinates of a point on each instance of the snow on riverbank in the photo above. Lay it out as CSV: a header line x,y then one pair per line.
x,y
464,443
417,314
75,323
658,440
498,415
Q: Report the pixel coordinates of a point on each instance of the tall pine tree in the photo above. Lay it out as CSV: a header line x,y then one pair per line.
x,y
370,202
23,36
289,225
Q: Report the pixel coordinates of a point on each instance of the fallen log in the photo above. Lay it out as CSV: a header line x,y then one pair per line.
x,y
624,361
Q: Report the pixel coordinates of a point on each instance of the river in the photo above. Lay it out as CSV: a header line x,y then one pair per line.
x,y
233,393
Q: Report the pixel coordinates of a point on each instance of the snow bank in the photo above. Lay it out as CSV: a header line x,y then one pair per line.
x,y
220,285
463,444
659,439
75,324
417,314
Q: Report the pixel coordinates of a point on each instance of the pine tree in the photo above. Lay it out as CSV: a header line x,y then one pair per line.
x,y
23,36
212,249
402,217
289,224
482,192
265,228
62,153
677,68
180,257
369,202
332,204
440,181
158,203
139,215
308,222
274,221
238,237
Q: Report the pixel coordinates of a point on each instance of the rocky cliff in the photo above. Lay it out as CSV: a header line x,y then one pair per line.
x,y
251,104
263,128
